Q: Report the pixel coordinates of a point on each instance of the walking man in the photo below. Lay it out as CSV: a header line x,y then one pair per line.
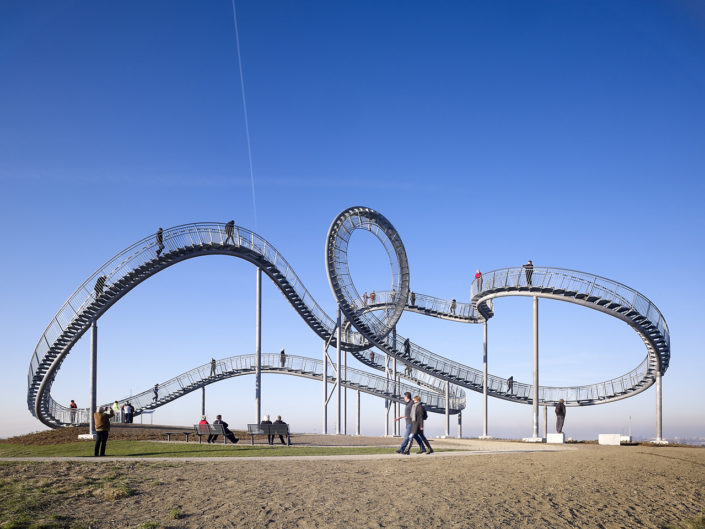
x,y
156,393
529,271
560,416
73,407
159,239
282,358
407,416
230,232
510,385
212,367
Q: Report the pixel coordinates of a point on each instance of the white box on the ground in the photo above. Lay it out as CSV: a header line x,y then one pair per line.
x,y
609,439
555,438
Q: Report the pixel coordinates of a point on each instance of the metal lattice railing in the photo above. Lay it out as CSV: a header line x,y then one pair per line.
x,y
203,375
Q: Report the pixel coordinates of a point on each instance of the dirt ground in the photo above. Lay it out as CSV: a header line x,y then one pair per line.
x,y
583,486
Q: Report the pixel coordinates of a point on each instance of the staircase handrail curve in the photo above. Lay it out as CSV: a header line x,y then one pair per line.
x,y
587,289
239,365
639,300
347,295
83,306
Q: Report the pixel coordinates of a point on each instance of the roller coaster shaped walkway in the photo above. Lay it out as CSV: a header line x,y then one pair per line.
x,y
368,323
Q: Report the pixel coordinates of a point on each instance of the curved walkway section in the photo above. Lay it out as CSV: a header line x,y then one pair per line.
x,y
236,366
595,292
369,322
590,290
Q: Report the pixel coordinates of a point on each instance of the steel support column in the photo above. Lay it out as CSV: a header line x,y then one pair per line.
x,y
545,421
357,424
484,379
447,409
325,388
93,373
258,347
395,405
203,400
460,425
659,410
536,368
338,371
345,393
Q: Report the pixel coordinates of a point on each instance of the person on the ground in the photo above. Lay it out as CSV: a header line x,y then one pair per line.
x,y
155,390
279,421
129,412
228,434
212,367
203,420
510,385
266,421
73,407
478,280
407,416
418,415
529,271
282,358
159,239
102,429
560,416
453,304
230,232
116,410
100,285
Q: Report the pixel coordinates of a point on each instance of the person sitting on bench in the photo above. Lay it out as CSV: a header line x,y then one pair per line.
x,y
279,421
228,434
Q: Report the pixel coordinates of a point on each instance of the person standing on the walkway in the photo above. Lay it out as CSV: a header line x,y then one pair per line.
x,y
73,407
478,280
418,415
412,299
453,304
365,297
159,239
102,429
407,348
282,358
510,384
230,232
156,393
560,416
212,367
407,417
372,297
529,271
100,285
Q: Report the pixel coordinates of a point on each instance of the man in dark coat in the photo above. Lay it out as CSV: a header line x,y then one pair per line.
x,y
560,416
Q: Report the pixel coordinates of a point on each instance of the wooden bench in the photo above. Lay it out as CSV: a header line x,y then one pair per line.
x,y
209,429
268,429
169,434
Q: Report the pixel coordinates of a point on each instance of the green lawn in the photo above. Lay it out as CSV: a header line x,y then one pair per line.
x,y
155,449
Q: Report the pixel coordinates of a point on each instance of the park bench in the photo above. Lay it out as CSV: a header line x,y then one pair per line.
x,y
209,429
268,429
169,434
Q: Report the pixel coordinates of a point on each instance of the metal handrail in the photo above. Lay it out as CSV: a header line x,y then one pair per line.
x,y
295,365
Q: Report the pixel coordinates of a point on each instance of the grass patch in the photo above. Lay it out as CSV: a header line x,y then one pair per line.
x,y
695,523
155,449
175,513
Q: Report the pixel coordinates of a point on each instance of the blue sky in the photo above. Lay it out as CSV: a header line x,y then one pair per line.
x,y
488,133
